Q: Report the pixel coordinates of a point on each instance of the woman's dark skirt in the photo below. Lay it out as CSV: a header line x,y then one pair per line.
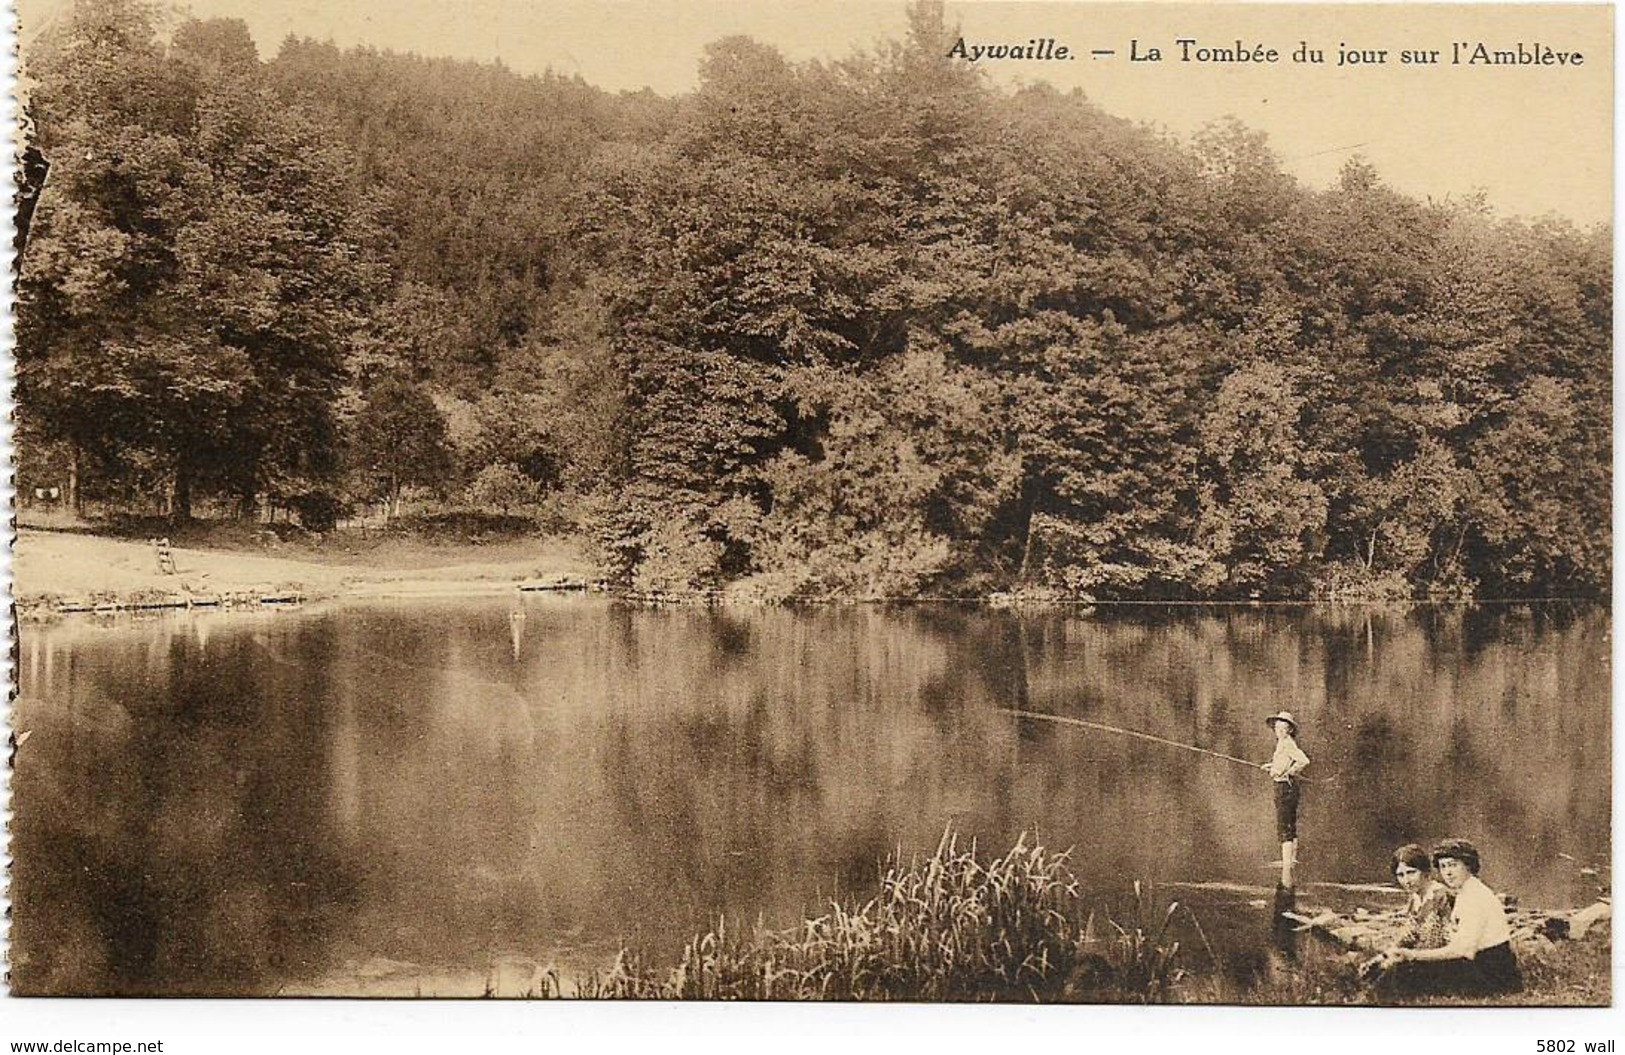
x,y
1493,972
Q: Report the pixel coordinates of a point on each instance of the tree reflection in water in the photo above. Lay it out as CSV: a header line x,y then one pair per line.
x,y
235,803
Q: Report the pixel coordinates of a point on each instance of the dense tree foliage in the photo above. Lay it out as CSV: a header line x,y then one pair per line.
x,y
398,438
198,264
863,328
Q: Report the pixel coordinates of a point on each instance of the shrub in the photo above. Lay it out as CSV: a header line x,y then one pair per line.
x,y
502,487
318,511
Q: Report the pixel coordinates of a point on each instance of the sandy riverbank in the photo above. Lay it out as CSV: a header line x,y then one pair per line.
x,y
52,569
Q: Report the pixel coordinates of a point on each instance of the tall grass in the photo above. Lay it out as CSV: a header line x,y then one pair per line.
x,y
949,927
1144,957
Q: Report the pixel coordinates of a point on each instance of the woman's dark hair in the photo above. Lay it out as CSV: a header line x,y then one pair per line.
x,y
1413,855
1459,849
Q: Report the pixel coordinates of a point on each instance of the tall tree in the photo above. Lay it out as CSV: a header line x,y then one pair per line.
x,y
1263,517
199,264
398,439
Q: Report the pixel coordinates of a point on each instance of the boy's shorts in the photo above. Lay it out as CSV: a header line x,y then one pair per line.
x,y
1286,810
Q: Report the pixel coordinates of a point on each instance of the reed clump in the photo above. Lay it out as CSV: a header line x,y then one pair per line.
x,y
948,927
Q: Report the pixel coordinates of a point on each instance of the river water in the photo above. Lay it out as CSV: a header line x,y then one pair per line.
x,y
405,797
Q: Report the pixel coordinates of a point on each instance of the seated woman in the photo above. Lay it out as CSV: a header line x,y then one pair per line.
x,y
1478,959
1428,913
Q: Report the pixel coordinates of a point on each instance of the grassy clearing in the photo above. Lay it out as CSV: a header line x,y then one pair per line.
x,y
950,927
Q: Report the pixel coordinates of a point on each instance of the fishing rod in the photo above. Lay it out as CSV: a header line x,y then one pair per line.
x,y
1128,732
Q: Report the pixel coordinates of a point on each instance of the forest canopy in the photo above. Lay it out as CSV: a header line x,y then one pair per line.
x,y
864,328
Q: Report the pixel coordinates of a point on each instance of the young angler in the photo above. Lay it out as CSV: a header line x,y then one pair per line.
x,y
1288,761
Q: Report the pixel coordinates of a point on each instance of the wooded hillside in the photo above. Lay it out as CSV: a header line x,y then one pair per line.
x,y
866,328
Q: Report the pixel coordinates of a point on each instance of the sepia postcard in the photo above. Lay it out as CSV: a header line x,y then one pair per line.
x,y
1060,503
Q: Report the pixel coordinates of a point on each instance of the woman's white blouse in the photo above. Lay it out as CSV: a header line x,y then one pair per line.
x,y
1480,920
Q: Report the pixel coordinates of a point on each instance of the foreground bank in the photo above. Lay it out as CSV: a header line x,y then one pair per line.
x,y
1018,928
958,927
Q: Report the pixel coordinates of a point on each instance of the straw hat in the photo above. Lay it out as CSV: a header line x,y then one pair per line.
x,y
1284,716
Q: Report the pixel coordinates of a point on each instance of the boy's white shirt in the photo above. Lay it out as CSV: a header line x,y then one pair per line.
x,y
1289,759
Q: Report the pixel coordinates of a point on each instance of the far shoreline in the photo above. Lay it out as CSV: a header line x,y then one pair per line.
x,y
56,573
59,573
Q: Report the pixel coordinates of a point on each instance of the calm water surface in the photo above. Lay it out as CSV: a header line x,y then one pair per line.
x,y
297,801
